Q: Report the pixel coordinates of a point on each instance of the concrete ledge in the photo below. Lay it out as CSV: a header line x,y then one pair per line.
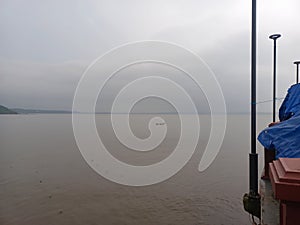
x,y
270,208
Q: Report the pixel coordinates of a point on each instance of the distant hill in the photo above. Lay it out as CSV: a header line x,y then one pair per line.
x,y
4,110
40,111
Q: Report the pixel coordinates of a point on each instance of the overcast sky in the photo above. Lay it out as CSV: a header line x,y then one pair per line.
x,y
47,45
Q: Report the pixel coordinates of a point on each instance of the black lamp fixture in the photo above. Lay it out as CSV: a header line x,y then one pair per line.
x,y
297,71
274,37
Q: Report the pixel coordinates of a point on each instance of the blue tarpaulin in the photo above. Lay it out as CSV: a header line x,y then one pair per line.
x,y
284,137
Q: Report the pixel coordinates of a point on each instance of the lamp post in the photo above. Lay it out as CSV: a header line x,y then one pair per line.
x,y
297,71
253,157
274,37
251,200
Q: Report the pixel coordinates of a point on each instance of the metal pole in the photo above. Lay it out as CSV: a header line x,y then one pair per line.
x,y
274,37
251,201
253,158
297,71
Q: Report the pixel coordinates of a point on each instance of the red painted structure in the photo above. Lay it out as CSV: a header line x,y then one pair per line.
x,y
284,174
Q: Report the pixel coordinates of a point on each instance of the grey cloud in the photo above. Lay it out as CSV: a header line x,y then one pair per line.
x,y
39,85
45,46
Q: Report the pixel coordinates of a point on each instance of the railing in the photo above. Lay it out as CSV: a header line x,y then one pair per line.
x,y
269,156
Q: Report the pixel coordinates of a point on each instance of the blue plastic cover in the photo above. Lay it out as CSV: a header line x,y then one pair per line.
x,y
284,137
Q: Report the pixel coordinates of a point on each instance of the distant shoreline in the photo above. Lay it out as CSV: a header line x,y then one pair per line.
x,y
99,113
21,111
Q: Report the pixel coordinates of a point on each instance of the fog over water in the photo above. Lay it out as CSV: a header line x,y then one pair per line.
x,y
46,48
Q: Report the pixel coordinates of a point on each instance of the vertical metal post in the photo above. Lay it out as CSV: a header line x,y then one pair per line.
x,y
274,37
297,71
253,158
251,200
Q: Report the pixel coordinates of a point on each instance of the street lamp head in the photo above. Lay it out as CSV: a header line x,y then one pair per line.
x,y
275,36
297,62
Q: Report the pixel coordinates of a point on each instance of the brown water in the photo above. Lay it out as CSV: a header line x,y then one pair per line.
x,y
44,179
